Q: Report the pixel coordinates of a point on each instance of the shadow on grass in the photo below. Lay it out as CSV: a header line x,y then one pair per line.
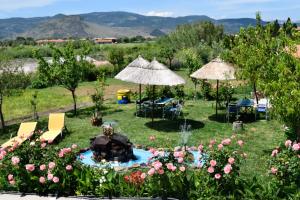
x,y
221,118
173,126
88,112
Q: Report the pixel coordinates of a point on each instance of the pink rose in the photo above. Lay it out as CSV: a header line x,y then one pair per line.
x,y
81,156
43,145
157,165
55,179
227,169
226,141
161,171
74,146
69,167
50,141
220,146
42,167
12,182
51,165
296,147
15,160
42,180
156,153
152,150
180,160
211,170
1,157
288,143
30,167
143,175
240,142
169,166
173,168
10,177
217,176
151,172
274,152
3,152
50,177
61,154
178,154
231,160
213,163
200,148
182,168
274,170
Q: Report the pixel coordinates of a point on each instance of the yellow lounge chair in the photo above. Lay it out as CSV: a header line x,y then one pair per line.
x,y
26,129
56,125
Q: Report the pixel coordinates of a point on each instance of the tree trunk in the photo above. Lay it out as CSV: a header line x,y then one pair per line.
x,y
254,89
1,113
170,63
74,101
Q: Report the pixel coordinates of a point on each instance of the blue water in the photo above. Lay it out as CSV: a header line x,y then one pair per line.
x,y
142,159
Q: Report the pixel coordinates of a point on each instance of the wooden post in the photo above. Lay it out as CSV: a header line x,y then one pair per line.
x,y
153,88
140,89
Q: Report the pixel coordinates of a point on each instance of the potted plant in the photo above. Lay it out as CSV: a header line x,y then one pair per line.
x,y
98,100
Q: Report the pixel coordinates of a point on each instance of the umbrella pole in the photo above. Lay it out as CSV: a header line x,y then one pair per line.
x,y
217,98
140,88
153,103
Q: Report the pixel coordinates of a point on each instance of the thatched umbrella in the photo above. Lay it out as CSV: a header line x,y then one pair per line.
x,y
132,70
218,70
153,74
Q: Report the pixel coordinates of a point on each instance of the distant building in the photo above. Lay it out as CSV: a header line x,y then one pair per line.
x,y
51,41
105,40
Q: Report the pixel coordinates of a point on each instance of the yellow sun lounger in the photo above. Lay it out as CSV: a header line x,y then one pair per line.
x,y
56,125
26,129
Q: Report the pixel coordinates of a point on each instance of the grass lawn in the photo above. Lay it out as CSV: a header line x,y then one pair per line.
x,y
260,137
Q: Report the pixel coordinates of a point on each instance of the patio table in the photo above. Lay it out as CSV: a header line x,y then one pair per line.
x,y
246,104
161,104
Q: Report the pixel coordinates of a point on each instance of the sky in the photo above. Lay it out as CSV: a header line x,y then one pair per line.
x,y
218,9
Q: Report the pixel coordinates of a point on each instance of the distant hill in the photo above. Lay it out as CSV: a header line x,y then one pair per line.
x,y
105,24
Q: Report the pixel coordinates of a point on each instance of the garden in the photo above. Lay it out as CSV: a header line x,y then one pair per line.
x,y
261,161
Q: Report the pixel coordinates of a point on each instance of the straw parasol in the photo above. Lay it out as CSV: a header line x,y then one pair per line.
x,y
218,70
153,74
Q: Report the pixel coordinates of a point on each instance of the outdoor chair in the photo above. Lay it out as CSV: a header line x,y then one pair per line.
x,y
262,107
56,125
232,110
175,112
26,129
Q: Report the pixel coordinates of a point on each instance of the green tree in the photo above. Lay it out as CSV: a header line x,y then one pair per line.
x,y
168,53
66,69
116,57
12,78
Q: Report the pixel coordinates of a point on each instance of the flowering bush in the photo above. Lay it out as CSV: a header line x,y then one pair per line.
x,y
284,163
36,167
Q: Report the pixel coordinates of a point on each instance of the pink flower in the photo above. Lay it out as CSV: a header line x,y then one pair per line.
x,y
156,153
152,150
42,167
143,175
69,167
182,168
218,176
42,180
212,142
152,138
43,145
226,141
231,160
211,170
169,166
161,171
274,170
296,147
30,167
200,148
50,141
3,152
61,154
10,177
227,169
220,146
288,143
151,172
274,152
213,163
1,157
178,154
180,160
12,182
74,146
81,156
173,168
51,165
50,177
240,142
55,179
15,160
157,165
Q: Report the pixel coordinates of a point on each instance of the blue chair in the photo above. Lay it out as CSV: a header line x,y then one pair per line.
x,y
232,110
262,108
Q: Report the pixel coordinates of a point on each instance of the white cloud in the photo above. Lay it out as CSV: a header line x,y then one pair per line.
x,y
159,14
12,5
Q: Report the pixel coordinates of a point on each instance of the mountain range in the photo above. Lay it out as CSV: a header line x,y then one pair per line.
x,y
105,24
